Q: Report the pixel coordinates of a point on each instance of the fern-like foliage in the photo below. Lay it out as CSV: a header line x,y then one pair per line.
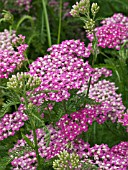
x,y
18,152
12,101
7,107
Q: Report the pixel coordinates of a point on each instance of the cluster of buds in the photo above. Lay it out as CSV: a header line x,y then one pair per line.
x,y
23,81
89,25
82,10
94,9
7,17
67,161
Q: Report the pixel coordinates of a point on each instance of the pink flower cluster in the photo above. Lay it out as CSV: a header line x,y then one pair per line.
x,y
100,155
25,162
96,74
24,3
117,18
123,119
100,72
10,59
105,91
10,123
71,47
113,33
62,70
56,145
74,124
110,159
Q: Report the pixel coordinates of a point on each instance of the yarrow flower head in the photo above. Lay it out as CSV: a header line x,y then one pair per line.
x,y
104,91
94,8
26,162
82,10
10,59
113,33
62,70
10,123
56,146
109,158
117,18
89,25
123,119
77,122
100,155
8,17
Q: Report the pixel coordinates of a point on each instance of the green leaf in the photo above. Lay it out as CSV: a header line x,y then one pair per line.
x,y
6,107
26,17
4,162
28,141
100,18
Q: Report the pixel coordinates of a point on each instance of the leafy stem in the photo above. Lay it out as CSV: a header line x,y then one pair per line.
x,y
36,144
33,130
110,129
47,22
64,106
59,27
94,57
26,17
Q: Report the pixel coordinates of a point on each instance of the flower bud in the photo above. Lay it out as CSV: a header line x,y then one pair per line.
x,y
67,160
89,25
23,81
8,16
94,8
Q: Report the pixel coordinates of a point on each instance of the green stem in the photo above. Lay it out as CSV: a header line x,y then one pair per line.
x,y
93,61
47,23
2,19
59,27
89,84
42,27
110,129
10,29
24,18
49,113
36,146
64,105
27,60
94,132
103,54
2,87
35,136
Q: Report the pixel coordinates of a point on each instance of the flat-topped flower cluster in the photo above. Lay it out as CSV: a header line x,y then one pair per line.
x,y
12,50
100,155
113,33
62,70
11,123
